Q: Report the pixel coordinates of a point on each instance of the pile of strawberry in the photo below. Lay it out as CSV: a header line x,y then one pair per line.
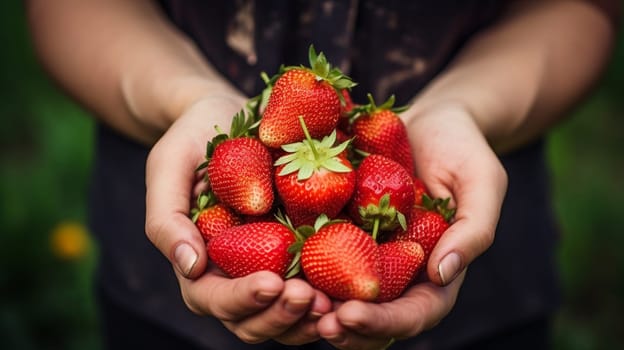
x,y
309,184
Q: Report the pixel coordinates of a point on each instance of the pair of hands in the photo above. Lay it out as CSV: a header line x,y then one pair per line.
x,y
453,159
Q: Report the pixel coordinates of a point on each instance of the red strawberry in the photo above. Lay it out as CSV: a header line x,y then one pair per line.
x,y
348,104
314,178
339,259
398,263
379,130
240,169
212,218
307,92
427,223
346,109
419,190
384,194
248,248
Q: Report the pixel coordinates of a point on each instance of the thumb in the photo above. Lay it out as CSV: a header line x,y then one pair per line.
x,y
479,200
170,178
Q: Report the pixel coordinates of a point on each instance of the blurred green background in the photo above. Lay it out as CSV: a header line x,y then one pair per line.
x,y
47,259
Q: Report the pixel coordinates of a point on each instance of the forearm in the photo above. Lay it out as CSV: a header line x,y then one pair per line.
x,y
520,76
124,61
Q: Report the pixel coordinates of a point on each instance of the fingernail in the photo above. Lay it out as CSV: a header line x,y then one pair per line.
x,y
449,267
264,297
315,315
185,258
297,306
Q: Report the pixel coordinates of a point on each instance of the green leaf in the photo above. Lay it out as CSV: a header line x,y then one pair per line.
x,y
293,147
286,159
202,201
312,57
195,216
306,230
321,221
402,220
343,83
289,169
334,165
295,266
305,172
201,166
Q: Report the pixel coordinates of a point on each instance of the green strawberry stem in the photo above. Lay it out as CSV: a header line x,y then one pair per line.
x,y
375,228
308,137
372,107
307,156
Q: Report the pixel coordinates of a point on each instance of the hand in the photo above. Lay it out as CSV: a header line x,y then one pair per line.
x,y
257,307
363,326
454,160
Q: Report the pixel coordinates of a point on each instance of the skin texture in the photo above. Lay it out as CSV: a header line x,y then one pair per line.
x,y
152,84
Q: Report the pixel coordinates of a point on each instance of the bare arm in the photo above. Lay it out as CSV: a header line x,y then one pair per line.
x,y
124,61
520,76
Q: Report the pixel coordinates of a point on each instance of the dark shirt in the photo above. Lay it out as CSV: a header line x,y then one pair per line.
x,y
387,47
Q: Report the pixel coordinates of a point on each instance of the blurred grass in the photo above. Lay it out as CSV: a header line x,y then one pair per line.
x,y
46,297
45,154
587,163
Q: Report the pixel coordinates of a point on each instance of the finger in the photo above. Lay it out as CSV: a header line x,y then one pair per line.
x,y
479,199
170,177
305,330
419,309
290,307
342,338
230,299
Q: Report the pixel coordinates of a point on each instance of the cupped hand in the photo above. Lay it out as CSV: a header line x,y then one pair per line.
x,y
454,160
257,307
369,326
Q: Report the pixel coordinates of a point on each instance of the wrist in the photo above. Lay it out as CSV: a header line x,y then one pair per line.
x,y
161,101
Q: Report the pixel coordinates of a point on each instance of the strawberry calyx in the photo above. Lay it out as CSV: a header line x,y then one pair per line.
x,y
381,216
439,205
242,125
295,248
371,108
311,155
324,71
321,68
205,200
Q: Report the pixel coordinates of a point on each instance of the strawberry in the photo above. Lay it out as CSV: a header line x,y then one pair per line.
x,y
240,170
348,104
212,218
419,190
427,223
314,178
339,259
307,92
248,248
397,263
346,109
379,130
383,196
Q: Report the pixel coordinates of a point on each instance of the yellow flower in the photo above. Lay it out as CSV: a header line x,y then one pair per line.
x,y
69,240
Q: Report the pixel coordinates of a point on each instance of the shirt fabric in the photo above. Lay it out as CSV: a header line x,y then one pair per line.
x,y
387,47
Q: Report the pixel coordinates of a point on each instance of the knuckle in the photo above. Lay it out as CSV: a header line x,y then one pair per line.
x,y
154,230
191,305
